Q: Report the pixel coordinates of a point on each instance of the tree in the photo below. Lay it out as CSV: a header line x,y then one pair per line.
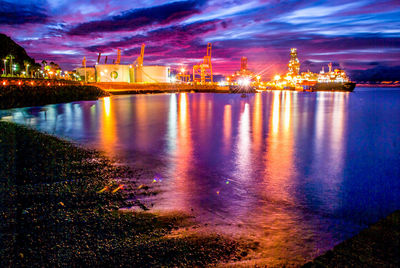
x,y
9,47
11,57
26,65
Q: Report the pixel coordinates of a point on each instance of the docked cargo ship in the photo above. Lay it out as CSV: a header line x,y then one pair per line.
x,y
332,80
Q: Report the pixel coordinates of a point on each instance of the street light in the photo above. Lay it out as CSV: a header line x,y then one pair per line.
x,y
11,57
5,66
27,69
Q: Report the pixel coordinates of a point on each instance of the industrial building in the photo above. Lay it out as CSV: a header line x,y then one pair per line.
x,y
134,73
125,73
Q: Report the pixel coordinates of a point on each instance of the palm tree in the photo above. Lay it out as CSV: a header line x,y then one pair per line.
x,y
26,64
11,57
5,66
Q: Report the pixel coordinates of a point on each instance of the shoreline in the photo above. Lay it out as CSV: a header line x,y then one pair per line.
x,y
17,96
357,251
60,206
376,246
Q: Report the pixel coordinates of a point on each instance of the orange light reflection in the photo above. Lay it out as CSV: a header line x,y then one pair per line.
x,y
108,131
227,126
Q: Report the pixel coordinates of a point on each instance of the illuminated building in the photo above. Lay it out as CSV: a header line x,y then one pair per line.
x,y
244,77
133,73
294,64
331,80
202,72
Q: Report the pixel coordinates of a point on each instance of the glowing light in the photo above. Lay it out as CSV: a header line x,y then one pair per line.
x,y
275,112
227,126
243,152
277,77
107,105
121,186
104,189
244,82
183,70
221,83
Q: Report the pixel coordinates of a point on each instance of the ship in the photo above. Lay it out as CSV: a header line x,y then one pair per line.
x,y
332,80
332,86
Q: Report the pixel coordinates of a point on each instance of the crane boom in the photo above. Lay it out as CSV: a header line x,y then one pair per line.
x,y
202,72
139,59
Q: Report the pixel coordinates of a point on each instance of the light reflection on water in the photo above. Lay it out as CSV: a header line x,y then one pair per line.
x,y
300,172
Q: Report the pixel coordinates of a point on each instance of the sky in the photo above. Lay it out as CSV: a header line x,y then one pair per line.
x,y
354,35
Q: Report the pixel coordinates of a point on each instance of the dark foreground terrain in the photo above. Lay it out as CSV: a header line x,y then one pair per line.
x,y
13,96
59,207
376,246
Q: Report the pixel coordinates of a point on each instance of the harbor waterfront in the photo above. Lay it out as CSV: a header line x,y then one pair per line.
x,y
297,171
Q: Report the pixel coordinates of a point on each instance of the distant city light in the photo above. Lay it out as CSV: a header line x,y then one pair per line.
x,y
244,82
222,83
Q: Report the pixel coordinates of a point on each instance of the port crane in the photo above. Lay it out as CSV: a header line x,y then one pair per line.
x,y
118,56
139,60
202,72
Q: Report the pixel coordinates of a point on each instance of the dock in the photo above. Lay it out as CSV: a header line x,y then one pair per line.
x,y
150,88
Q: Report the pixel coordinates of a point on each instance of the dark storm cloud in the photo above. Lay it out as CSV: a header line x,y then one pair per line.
x,y
378,73
17,14
137,18
178,35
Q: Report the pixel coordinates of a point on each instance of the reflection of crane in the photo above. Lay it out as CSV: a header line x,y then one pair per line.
x,y
205,67
139,60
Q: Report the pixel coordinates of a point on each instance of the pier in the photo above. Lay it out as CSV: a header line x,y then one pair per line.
x,y
139,88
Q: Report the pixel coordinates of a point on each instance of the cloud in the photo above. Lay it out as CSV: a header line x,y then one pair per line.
x,y
378,73
135,19
14,14
177,35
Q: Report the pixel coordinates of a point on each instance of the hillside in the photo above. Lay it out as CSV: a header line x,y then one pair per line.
x,y
7,47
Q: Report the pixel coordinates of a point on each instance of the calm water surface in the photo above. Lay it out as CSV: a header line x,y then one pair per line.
x,y
299,172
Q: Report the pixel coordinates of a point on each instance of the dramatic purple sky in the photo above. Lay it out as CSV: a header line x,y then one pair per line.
x,y
353,34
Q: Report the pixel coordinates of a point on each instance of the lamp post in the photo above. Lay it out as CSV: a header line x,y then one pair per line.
x,y
27,69
11,57
5,66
